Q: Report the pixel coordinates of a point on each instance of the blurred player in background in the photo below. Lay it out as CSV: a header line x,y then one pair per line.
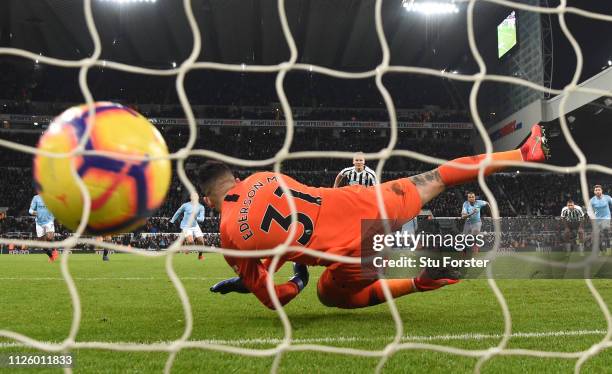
x,y
105,251
471,213
255,215
2,217
411,226
573,217
193,232
601,204
356,174
45,228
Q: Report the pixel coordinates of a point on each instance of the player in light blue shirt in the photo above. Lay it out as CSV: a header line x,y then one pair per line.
x,y
45,229
409,228
601,204
39,209
193,232
471,213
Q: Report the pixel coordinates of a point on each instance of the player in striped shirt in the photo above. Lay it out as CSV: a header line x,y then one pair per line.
x,y
193,232
359,173
573,216
45,229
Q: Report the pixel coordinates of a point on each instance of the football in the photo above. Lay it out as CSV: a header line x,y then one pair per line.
x,y
124,192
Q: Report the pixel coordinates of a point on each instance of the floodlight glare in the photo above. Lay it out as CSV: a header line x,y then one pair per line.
x,y
120,2
430,7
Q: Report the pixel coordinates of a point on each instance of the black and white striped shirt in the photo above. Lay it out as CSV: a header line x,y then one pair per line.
x,y
572,215
366,177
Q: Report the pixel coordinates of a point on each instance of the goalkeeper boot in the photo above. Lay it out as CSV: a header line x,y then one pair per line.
x,y
433,278
535,149
105,258
200,256
54,255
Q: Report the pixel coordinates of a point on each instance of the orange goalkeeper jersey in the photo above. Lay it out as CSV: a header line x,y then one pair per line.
x,y
256,215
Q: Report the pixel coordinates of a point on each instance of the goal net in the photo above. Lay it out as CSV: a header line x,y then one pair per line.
x,y
287,343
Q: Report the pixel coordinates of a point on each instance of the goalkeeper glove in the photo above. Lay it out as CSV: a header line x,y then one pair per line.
x,y
300,276
230,285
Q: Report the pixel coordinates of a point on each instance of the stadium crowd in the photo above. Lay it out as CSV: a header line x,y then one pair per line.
x,y
268,112
46,90
222,93
544,199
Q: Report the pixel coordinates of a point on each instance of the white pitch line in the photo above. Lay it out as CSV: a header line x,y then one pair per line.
x,y
108,278
447,337
350,339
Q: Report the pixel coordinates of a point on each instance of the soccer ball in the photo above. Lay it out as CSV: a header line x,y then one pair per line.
x,y
123,192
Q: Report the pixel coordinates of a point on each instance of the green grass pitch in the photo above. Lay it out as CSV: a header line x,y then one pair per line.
x,y
506,36
130,299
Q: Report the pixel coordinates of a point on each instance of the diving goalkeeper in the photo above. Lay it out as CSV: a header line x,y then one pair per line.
x,y
255,215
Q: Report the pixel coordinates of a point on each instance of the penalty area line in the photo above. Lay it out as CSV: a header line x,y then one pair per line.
x,y
351,339
106,278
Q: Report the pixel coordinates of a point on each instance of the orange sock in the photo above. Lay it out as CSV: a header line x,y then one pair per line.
x,y
453,175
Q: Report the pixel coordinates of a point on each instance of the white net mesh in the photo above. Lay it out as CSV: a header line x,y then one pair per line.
x,y
287,343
